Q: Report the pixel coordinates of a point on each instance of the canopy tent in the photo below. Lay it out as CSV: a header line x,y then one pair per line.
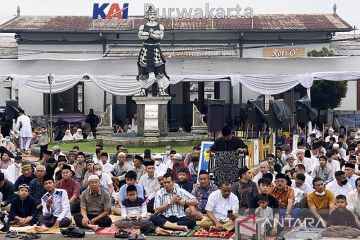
x,y
304,113
280,115
273,76
127,85
255,114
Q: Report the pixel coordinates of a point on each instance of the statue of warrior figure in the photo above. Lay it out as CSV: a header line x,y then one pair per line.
x,y
150,57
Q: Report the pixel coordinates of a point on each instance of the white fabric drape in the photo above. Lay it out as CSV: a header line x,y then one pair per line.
x,y
127,85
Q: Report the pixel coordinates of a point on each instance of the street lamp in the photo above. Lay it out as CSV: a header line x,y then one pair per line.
x,y
50,81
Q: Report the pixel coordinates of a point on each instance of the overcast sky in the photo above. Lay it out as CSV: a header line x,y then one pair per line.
x,y
347,9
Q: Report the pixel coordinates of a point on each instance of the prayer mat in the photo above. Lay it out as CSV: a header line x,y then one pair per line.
x,y
302,233
173,234
113,229
201,232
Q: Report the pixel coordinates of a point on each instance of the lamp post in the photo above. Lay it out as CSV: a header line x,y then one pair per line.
x,y
50,81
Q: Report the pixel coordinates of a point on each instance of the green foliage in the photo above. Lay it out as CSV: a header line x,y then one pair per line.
x,y
326,94
89,147
324,52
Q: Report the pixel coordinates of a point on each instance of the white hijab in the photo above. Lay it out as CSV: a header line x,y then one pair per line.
x,y
78,135
68,136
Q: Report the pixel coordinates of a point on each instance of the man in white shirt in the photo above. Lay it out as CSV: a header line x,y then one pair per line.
x,y
290,163
57,152
55,207
349,170
300,169
299,183
353,199
23,125
264,168
222,208
333,162
301,159
106,182
106,166
331,134
159,165
340,185
149,182
14,170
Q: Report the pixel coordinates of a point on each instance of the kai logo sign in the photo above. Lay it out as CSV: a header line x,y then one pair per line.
x,y
103,11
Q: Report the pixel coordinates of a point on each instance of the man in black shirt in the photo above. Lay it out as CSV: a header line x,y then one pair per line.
x,y
226,159
264,184
93,121
228,142
245,190
7,190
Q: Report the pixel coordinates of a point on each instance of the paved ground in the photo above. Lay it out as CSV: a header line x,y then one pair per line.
x,y
108,237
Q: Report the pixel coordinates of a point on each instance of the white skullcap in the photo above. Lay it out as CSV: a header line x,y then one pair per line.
x,y
122,154
177,156
157,156
93,177
56,148
160,174
331,129
336,146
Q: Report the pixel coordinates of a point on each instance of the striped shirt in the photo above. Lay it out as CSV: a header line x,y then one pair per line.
x,y
162,197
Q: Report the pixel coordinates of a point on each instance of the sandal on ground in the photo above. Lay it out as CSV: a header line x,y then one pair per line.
x,y
122,234
11,234
30,236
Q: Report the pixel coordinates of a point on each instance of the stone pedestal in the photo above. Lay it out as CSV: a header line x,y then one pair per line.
x,y
105,129
199,126
152,116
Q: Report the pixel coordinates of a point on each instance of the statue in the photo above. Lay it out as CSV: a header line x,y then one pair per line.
x,y
150,57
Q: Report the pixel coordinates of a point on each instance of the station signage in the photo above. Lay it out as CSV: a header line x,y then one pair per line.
x,y
283,52
207,12
103,11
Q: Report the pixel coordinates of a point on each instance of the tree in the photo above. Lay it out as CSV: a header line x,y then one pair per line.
x,y
326,94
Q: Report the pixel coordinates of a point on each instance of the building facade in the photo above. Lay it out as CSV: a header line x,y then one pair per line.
x,y
192,42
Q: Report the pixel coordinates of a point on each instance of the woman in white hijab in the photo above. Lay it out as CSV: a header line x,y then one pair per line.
x,y
78,135
90,136
68,136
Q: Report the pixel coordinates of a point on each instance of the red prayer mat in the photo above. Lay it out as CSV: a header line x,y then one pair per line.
x,y
201,232
113,229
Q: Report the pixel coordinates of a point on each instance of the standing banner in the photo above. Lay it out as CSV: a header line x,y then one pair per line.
x,y
204,156
256,152
295,142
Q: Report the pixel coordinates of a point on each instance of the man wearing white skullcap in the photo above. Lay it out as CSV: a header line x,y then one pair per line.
x,y
95,206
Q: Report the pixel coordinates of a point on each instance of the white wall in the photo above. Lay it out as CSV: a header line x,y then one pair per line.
x,y
31,101
350,101
225,92
93,98
66,51
4,93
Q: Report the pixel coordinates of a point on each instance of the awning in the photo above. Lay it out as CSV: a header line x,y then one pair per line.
x,y
117,76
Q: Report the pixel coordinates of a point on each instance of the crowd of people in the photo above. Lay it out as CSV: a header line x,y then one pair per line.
x,y
318,180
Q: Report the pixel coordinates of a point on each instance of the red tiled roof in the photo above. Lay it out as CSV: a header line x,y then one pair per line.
x,y
268,22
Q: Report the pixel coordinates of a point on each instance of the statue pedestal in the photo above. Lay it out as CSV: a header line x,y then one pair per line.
x,y
105,128
199,126
152,116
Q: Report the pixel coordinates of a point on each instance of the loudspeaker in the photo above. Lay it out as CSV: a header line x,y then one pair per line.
x,y
11,111
216,115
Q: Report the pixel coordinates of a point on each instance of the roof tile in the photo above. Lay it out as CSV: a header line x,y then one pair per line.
x,y
277,22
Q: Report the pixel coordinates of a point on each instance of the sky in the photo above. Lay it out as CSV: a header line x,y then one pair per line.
x,y
347,9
